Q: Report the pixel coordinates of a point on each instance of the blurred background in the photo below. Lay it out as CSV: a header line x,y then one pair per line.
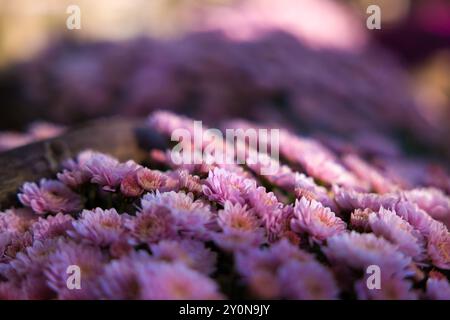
x,y
308,65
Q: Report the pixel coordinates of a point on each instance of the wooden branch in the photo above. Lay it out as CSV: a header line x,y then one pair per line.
x,y
120,137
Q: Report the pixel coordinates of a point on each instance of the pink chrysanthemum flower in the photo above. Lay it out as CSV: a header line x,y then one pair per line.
x,y
438,245
361,250
192,253
98,226
433,201
34,258
359,220
191,217
13,242
392,288
151,224
274,216
89,259
350,199
317,161
312,281
259,267
50,196
130,187
119,280
438,289
150,180
222,185
107,171
238,217
74,174
162,281
316,220
416,217
390,226
51,226
16,220
188,182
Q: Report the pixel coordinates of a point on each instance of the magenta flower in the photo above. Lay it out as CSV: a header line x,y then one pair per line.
x,y
52,226
107,171
150,180
13,243
438,246
359,220
120,281
130,187
99,227
222,185
162,281
191,217
186,181
433,201
238,217
89,259
307,281
192,253
387,224
34,258
350,199
50,196
16,220
74,174
316,220
259,267
151,224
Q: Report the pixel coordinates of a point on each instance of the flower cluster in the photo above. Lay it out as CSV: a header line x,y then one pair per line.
x,y
312,230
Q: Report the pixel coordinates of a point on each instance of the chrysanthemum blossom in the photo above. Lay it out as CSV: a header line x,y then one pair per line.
x,y
35,257
130,187
150,180
192,253
107,171
259,267
99,227
163,281
89,259
191,217
222,185
52,226
16,220
307,281
50,196
119,279
433,201
316,220
438,246
151,224
359,220
389,225
238,217
358,251
350,199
